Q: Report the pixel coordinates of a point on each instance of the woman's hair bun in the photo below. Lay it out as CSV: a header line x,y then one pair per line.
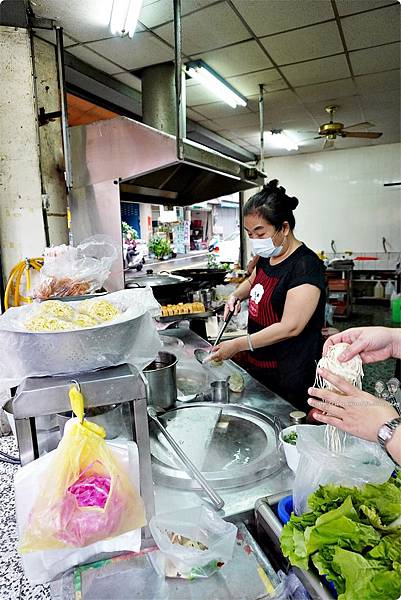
x,y
273,187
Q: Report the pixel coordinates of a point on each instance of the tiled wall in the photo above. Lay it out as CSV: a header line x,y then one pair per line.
x,y
342,198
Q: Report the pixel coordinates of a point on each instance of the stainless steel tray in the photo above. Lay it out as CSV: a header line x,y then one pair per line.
x,y
231,444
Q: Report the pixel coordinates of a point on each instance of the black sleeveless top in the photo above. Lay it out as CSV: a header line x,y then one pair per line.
x,y
291,363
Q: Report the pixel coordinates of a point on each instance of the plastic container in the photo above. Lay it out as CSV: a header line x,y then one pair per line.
x,y
389,289
290,450
396,308
378,290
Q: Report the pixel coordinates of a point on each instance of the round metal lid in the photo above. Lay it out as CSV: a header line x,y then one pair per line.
x,y
231,444
157,280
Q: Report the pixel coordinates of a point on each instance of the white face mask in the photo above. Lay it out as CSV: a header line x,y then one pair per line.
x,y
265,248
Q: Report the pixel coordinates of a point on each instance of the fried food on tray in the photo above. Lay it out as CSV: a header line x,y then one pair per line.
x,y
183,309
43,322
101,310
62,310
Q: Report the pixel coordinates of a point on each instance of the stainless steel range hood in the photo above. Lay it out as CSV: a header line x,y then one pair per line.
x,y
144,161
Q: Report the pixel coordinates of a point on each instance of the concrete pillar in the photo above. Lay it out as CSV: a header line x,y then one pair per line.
x,y
145,214
21,220
31,157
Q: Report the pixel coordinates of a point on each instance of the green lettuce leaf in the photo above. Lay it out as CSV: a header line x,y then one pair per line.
x,y
293,546
340,527
323,561
388,550
374,519
329,496
384,497
366,579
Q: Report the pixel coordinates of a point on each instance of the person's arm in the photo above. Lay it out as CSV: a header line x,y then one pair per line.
x,y
300,304
354,411
373,344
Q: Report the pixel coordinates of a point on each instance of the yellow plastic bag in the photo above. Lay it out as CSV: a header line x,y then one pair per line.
x,y
86,496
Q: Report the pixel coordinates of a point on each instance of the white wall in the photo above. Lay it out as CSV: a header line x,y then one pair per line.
x,y
342,198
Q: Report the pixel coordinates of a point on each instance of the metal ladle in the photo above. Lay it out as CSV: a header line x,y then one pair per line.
x,y
190,468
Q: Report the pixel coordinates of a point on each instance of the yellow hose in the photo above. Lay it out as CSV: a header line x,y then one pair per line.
x,y
14,281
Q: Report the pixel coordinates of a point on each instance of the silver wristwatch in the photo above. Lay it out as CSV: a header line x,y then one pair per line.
x,y
386,432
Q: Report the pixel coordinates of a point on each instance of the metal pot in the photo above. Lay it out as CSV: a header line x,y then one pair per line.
x,y
164,287
162,379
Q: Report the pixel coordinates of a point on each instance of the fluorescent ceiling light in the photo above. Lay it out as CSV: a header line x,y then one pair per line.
x,y
212,81
279,138
124,17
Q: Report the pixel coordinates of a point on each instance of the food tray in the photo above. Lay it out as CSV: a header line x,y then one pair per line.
x,y
187,317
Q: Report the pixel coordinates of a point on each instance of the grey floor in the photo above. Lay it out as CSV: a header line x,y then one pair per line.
x,y
370,315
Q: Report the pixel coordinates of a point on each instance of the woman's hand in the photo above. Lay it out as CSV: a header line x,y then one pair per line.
x,y
353,411
233,303
225,350
373,344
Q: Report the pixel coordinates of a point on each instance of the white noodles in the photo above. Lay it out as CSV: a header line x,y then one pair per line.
x,y
352,372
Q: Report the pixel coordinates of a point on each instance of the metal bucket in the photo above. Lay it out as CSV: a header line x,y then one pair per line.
x,y
162,380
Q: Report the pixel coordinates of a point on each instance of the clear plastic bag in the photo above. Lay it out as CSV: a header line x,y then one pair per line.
x,y
75,271
360,462
214,537
85,496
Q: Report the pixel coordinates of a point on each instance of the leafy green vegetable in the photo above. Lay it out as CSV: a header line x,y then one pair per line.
x,y
351,536
291,438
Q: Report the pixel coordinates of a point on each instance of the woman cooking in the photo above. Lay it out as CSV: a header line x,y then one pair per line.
x,y
286,292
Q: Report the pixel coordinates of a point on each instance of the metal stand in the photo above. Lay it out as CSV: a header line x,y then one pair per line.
x,y
40,396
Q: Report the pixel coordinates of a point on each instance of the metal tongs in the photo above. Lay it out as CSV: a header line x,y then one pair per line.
x,y
224,324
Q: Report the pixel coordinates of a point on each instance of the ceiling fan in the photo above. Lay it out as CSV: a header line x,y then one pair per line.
x,y
331,130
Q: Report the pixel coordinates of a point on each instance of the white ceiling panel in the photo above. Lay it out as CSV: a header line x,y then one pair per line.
x,y
50,36
348,7
325,92
85,21
372,28
94,60
274,100
379,82
346,106
131,80
218,110
382,100
373,60
239,59
211,28
303,44
317,71
197,94
249,84
239,121
143,50
271,16
160,11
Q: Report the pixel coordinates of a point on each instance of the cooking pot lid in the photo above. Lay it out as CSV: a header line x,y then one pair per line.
x,y
157,280
229,443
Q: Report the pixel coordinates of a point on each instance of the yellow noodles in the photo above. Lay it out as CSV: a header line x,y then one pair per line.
x,y
58,309
101,310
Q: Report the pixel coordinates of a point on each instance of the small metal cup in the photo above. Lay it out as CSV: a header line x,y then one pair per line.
x,y
220,391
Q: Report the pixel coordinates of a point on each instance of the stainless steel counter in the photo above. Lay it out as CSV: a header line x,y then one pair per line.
x,y
238,500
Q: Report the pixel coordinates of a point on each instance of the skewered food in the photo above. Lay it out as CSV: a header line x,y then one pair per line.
x,y
61,286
